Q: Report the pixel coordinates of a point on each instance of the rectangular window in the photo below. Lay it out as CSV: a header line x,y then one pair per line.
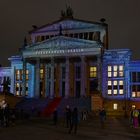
x,y
17,75
41,74
116,87
109,71
27,74
121,71
135,91
109,92
93,72
115,106
115,71
115,91
121,91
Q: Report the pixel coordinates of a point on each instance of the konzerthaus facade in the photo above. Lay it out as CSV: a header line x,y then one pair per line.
x,y
71,58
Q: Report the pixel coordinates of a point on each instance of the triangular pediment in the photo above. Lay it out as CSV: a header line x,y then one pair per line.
x,y
62,42
66,24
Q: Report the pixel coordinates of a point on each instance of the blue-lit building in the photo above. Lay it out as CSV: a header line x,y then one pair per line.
x,y
71,58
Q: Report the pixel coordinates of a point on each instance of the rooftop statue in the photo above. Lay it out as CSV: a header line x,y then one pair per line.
x,y
68,13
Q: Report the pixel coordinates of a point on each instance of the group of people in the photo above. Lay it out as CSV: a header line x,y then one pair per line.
x,y
135,117
71,118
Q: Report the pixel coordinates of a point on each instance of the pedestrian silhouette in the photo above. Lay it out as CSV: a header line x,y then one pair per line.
x,y
74,122
68,117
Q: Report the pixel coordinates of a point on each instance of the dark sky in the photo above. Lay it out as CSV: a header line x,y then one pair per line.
x,y
18,16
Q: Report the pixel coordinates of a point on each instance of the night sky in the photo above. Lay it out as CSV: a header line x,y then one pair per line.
x,y
18,16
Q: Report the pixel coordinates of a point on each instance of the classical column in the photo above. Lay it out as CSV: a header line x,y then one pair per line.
x,y
47,80
52,78
67,78
13,75
37,78
99,72
83,76
24,78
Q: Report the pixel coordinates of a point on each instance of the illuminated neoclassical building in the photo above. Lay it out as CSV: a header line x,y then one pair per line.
x,y
70,58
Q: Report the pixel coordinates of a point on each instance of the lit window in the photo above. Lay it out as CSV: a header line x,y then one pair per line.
x,y
138,94
115,83
115,91
17,84
41,70
109,71
121,73
115,71
109,92
121,91
115,106
109,74
109,83
120,82
93,72
17,74
27,71
115,68
41,73
133,94
115,74
121,68
109,68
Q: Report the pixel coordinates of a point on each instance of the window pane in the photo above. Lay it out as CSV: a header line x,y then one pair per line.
x,y
109,83
27,71
115,68
109,68
115,82
121,68
109,74
115,106
115,74
120,91
133,94
121,74
109,92
120,82
93,72
41,71
115,91
138,94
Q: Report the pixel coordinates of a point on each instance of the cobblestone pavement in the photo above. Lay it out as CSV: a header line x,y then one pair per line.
x,y
37,129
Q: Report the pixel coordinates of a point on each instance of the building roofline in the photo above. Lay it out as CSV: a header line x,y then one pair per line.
x,y
64,19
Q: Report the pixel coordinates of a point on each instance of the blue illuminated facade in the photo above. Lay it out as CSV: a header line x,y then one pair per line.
x,y
70,58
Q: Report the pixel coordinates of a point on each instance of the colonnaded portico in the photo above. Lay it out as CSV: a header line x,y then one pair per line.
x,y
63,72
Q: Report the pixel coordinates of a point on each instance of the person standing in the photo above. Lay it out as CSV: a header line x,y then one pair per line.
x,y
68,116
74,122
102,115
135,118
